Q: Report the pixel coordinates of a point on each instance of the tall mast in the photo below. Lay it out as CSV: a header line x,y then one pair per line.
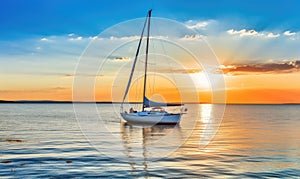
x,y
134,63
146,60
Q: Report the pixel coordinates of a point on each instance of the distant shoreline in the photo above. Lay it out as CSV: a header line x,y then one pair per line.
x,y
50,101
110,102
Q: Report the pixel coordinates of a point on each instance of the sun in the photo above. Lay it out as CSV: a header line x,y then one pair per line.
x,y
200,80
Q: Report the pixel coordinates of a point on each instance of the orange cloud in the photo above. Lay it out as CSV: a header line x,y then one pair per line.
x,y
284,67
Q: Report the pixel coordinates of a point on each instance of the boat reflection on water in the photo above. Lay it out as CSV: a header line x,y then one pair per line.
x,y
144,144
150,143
148,148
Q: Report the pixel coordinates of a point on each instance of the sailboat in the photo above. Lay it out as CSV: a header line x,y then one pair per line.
x,y
152,112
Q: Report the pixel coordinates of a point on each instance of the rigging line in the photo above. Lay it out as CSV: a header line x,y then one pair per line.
x,y
139,79
134,62
137,82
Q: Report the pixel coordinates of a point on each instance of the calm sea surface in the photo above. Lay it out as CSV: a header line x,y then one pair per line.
x,y
47,140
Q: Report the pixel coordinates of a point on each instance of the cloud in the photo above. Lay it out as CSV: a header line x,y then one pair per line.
x,y
121,59
59,88
93,37
271,35
243,32
289,33
230,46
82,75
240,69
191,24
129,38
252,32
77,38
118,58
44,39
192,37
124,37
181,71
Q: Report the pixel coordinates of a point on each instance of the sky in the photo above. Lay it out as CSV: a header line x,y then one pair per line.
x,y
256,44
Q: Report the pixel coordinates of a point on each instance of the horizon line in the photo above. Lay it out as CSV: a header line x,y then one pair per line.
x,y
111,102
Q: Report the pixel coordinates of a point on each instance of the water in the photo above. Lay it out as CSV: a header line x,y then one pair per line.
x,y
46,140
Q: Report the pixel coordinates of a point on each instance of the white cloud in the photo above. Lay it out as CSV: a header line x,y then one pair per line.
x,y
193,24
192,37
44,39
93,37
117,58
244,32
289,33
252,32
77,38
232,32
129,37
71,35
132,37
271,35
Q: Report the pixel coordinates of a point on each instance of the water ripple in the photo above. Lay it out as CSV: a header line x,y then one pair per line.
x,y
44,141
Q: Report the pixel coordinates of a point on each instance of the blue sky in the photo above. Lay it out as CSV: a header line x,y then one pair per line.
x,y
22,18
28,21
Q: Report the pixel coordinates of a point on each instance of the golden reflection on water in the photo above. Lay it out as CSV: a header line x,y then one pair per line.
x,y
150,141
245,141
252,141
143,145
195,132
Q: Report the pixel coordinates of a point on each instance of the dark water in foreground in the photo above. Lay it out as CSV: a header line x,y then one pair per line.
x,y
46,140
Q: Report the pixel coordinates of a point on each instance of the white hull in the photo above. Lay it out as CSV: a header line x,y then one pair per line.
x,y
151,118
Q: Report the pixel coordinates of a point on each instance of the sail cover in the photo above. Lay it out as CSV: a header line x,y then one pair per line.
x,y
149,103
